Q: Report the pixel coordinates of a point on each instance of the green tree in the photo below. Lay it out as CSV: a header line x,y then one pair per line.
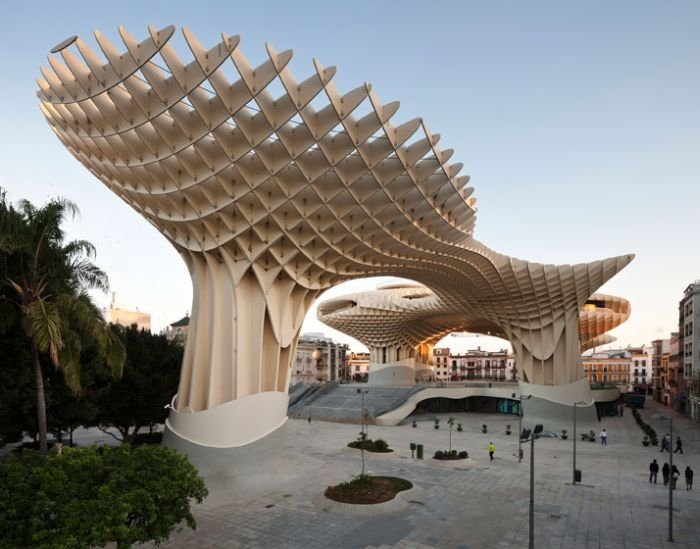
x,y
151,373
89,497
45,282
17,411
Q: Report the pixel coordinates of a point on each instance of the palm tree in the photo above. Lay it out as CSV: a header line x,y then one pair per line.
x,y
43,284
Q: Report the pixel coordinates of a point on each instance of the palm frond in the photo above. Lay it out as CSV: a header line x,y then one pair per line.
x,y
70,360
85,317
89,276
46,328
77,248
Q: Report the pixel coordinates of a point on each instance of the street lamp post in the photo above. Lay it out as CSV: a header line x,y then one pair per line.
x,y
670,484
580,403
363,392
529,436
520,423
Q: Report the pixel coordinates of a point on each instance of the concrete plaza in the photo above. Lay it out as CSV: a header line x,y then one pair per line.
x,y
469,504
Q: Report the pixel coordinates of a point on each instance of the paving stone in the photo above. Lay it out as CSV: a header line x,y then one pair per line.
x,y
482,506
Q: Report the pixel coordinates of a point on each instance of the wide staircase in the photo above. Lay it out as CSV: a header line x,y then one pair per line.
x,y
343,403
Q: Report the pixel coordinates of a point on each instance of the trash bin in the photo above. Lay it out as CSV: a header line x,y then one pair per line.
x,y
577,475
419,451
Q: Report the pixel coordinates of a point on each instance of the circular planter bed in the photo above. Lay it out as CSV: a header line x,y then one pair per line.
x,y
367,490
378,446
450,456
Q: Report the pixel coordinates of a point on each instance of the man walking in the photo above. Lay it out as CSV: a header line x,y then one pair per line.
x,y
492,449
653,471
688,478
604,437
664,443
679,446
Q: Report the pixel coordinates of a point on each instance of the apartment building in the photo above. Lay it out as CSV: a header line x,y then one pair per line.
x,y
319,359
357,366
608,367
475,364
689,350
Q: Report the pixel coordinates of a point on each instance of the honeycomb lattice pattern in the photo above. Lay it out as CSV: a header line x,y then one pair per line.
x,y
409,319
274,189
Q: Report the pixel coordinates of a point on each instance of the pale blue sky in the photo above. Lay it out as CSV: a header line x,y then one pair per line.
x,y
578,122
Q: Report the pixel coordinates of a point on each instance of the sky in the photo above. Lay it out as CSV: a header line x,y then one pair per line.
x,y
579,124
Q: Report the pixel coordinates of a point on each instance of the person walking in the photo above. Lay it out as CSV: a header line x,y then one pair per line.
x,y
679,446
688,478
653,471
675,473
666,472
664,443
492,449
604,437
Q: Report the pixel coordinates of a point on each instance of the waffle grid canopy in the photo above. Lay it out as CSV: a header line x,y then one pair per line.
x,y
272,198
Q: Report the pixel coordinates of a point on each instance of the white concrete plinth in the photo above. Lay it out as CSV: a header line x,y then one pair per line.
x,y
400,373
232,424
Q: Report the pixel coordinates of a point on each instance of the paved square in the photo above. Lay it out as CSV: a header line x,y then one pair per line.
x,y
473,504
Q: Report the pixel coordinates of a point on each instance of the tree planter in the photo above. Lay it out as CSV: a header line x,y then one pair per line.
x,y
450,456
367,490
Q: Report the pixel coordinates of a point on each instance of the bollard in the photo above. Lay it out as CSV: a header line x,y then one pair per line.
x,y
419,451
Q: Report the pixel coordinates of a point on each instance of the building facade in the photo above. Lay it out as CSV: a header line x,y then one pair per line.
x,y
116,314
608,367
475,364
689,349
641,368
177,331
358,366
319,359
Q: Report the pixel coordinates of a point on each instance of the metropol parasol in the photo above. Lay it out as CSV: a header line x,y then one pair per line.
x,y
270,200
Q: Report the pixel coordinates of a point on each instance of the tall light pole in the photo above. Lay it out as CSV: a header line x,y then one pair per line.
x,y
529,436
520,423
363,392
580,403
671,483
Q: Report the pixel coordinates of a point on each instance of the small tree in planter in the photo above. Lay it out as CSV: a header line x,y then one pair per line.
x,y
646,441
484,428
564,434
508,431
459,427
414,424
437,423
450,422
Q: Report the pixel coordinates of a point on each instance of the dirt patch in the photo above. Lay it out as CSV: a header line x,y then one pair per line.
x,y
366,490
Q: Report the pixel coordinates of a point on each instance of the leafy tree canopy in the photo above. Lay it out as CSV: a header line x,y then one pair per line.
x,y
89,497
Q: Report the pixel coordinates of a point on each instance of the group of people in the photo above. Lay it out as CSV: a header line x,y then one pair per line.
x,y
666,444
670,474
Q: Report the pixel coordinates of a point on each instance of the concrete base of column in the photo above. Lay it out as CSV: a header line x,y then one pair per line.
x,y
553,407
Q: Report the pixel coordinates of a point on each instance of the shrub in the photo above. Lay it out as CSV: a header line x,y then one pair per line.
x,y
380,444
646,428
463,455
439,454
364,443
93,496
